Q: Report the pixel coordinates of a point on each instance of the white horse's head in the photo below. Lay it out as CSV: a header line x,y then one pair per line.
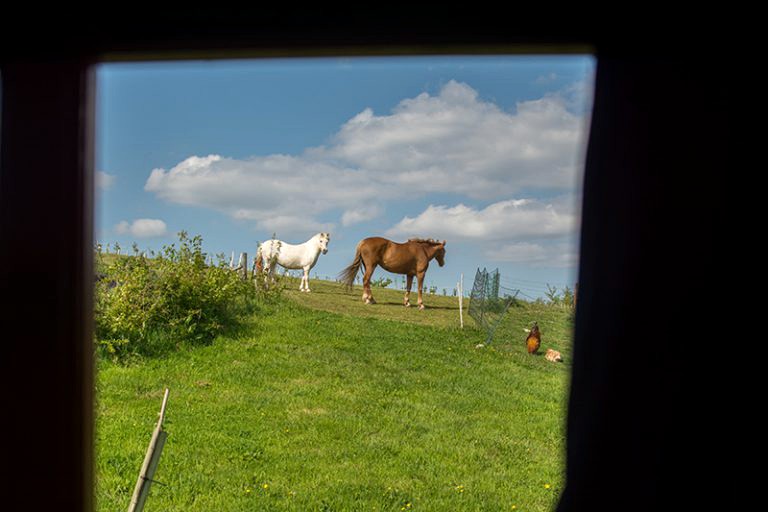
x,y
322,241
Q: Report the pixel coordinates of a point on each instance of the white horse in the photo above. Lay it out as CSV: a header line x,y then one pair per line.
x,y
303,256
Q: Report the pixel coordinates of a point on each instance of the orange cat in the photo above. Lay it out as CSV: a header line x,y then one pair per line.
x,y
553,355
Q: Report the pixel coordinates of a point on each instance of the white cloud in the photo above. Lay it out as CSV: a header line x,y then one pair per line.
x,y
546,79
278,192
452,142
289,224
530,231
518,252
104,181
142,228
561,254
503,220
362,214
579,97
455,142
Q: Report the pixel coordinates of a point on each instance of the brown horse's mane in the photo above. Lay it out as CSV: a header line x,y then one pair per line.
x,y
429,241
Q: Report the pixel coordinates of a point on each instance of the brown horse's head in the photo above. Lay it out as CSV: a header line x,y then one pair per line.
x,y
440,254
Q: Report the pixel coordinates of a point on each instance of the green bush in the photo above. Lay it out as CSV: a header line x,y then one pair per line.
x,y
382,282
149,306
557,298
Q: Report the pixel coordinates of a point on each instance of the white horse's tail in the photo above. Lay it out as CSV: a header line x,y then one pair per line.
x,y
259,261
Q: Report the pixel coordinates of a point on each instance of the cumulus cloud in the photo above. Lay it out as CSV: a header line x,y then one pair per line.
x,y
518,252
142,228
277,191
292,224
503,220
452,142
560,254
455,142
362,214
546,79
530,231
104,181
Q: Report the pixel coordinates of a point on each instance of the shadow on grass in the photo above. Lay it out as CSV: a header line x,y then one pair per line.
x,y
413,306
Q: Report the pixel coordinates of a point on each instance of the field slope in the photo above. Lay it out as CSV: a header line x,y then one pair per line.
x,y
323,403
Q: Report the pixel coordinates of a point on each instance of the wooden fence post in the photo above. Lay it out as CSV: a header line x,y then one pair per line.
x,y
460,286
151,460
243,266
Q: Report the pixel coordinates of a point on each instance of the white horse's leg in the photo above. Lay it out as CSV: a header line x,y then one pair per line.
x,y
306,279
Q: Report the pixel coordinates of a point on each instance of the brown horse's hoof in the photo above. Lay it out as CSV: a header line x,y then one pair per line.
x,y
421,307
407,304
370,300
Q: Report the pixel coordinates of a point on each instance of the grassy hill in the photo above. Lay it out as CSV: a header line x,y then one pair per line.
x,y
442,311
323,403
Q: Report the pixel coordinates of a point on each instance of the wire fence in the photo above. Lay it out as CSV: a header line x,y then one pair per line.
x,y
489,300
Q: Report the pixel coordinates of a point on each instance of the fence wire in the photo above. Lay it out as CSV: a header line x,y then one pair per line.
x,y
489,301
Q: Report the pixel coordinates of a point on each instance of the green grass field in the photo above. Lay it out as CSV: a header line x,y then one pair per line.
x,y
322,403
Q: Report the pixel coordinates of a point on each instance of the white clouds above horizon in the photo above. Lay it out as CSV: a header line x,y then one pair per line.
x,y
558,255
515,230
452,142
142,228
546,79
362,214
455,142
504,220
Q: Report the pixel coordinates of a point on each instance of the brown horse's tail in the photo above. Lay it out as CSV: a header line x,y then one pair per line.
x,y
348,275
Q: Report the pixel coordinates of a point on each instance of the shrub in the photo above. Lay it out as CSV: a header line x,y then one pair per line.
x,y
270,290
148,306
557,298
382,282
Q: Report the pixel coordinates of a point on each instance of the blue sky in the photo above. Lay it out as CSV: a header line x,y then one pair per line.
x,y
484,152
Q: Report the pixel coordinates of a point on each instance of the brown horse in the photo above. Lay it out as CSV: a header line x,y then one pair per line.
x,y
411,258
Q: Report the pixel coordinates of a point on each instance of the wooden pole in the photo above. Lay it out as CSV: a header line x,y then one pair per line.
x,y
151,460
461,300
243,266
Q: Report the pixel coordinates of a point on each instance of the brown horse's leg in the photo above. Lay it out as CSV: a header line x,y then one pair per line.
x,y
420,277
407,301
367,294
